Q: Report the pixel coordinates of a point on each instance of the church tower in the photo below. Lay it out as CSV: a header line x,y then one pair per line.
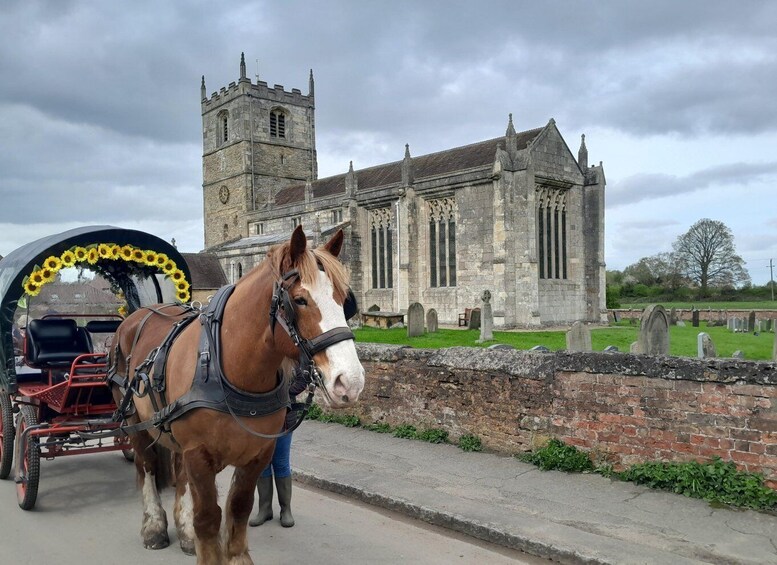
x,y
255,141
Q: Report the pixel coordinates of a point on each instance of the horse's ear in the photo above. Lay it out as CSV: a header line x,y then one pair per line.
x,y
298,244
335,245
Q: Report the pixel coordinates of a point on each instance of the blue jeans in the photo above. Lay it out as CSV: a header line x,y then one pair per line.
x,y
280,466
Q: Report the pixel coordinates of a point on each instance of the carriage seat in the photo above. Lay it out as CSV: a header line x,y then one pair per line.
x,y
56,342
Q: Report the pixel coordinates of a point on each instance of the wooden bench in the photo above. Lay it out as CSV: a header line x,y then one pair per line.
x,y
464,318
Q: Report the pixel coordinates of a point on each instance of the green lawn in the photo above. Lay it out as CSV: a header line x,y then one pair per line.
x,y
682,340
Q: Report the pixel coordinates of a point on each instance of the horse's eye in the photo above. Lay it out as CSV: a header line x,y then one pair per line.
x,y
300,301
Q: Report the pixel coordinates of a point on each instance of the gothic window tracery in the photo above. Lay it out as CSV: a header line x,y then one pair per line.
x,y
552,232
277,123
382,253
222,131
442,242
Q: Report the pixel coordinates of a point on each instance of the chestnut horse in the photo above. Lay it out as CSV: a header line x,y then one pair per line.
x,y
252,351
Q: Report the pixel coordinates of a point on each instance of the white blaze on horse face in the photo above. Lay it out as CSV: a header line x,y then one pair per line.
x,y
344,379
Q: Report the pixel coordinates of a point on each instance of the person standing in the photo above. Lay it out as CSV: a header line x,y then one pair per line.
x,y
280,469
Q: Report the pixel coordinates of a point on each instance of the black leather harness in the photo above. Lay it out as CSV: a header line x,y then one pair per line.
x,y
210,388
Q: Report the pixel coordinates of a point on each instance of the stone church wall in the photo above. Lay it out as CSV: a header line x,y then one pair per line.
x,y
623,408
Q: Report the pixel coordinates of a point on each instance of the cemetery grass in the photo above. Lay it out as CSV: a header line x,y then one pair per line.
x,y
682,340
702,305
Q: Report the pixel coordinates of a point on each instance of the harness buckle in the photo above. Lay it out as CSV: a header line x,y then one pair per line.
x,y
204,357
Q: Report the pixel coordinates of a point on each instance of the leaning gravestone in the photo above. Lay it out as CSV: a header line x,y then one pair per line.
x,y
579,338
611,349
680,324
474,319
540,348
505,346
431,321
654,331
705,346
738,354
768,325
672,316
634,347
486,318
616,316
751,322
415,320
695,318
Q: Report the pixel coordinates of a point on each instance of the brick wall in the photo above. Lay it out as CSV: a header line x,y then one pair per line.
x,y
624,408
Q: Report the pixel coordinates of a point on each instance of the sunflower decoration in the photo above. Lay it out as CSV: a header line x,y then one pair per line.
x,y
68,258
182,295
37,278
92,256
161,260
182,285
30,287
126,252
138,256
48,274
169,267
177,276
115,251
149,258
53,263
122,310
104,250
80,254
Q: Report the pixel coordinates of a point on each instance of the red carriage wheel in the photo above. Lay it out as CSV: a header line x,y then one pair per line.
x,y
6,435
28,465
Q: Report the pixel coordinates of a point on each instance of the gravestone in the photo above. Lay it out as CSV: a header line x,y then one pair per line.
x,y
654,331
540,348
431,321
634,347
704,346
611,349
504,346
695,318
751,322
730,324
474,319
415,320
579,338
486,318
373,308
680,324
616,316
673,316
738,354
768,325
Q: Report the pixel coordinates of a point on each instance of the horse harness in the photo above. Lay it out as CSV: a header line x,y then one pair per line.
x,y
210,389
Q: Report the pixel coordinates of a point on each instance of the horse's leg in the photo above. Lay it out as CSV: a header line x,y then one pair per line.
x,y
184,508
201,471
154,528
238,508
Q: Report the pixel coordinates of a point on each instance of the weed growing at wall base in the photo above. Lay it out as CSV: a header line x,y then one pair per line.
x,y
558,456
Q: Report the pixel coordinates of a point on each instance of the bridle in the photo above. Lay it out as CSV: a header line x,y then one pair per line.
x,y
283,312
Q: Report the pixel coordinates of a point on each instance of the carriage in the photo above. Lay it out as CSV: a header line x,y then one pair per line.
x,y
54,400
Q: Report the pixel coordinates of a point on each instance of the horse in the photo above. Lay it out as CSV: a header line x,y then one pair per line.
x,y
301,288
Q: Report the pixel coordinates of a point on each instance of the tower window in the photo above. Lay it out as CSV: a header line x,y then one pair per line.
x,y
222,129
296,221
277,124
337,216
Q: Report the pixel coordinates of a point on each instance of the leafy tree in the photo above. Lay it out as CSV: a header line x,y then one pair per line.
x,y
706,254
661,270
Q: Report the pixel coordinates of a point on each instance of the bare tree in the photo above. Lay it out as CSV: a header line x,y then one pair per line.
x,y
707,255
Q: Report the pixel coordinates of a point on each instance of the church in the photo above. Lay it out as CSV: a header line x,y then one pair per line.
x,y
516,215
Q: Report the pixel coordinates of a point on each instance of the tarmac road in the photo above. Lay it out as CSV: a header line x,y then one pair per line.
x,y
89,511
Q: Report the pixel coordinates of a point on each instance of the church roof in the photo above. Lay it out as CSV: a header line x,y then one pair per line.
x,y
445,162
206,271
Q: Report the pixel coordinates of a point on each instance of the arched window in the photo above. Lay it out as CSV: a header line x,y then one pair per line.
x,y
552,233
382,255
222,127
442,242
278,123
240,270
226,231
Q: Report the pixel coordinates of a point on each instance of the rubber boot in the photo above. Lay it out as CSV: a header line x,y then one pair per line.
x,y
264,512
283,484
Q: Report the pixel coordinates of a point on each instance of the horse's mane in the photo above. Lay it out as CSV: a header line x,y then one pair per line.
x,y
307,265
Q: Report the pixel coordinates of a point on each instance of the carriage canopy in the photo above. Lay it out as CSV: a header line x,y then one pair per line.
x,y
125,257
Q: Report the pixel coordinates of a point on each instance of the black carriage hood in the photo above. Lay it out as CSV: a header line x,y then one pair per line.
x,y
18,264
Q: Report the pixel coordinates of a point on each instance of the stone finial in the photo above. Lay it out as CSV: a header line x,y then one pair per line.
x,y
203,92
407,167
311,87
350,167
582,154
242,66
172,242
510,127
351,182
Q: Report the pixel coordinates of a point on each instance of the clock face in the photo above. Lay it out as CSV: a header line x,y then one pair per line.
x,y
224,194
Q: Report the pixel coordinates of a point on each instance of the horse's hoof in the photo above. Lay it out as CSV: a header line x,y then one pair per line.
x,y
157,541
187,546
243,559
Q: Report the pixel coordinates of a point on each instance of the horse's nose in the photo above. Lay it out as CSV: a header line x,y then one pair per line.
x,y
340,389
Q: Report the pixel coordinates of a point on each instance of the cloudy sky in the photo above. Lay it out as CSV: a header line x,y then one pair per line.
x,y
100,102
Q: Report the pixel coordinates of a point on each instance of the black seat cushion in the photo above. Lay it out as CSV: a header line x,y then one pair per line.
x,y
55,342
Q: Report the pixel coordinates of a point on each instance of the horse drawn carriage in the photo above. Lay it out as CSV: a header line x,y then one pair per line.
x,y
54,398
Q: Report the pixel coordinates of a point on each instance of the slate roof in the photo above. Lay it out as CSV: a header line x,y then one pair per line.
x,y
206,270
447,162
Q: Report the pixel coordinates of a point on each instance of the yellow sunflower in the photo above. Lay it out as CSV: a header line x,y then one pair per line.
x,y
115,251
177,275
122,311
31,288
150,258
53,263
104,251
126,253
161,259
182,295
48,274
37,278
169,267
81,254
182,285
138,256
68,258
92,256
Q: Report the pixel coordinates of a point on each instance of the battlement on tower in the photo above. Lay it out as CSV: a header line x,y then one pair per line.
x,y
260,89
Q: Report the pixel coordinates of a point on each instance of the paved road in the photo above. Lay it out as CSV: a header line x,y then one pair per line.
x,y
88,511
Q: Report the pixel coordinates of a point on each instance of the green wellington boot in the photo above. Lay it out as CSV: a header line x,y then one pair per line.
x,y
283,485
264,512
